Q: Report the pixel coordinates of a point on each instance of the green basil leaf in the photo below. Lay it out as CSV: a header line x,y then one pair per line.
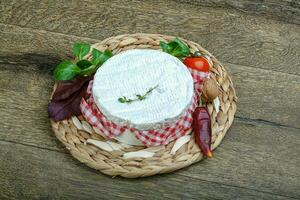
x,y
66,70
165,47
89,71
83,64
181,48
176,48
100,57
81,49
107,54
96,56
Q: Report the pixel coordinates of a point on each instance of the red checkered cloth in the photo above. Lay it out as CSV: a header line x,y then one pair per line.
x,y
155,137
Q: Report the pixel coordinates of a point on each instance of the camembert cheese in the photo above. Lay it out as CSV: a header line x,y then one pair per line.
x,y
134,72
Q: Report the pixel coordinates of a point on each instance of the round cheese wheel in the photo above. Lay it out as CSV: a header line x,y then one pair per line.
x,y
134,72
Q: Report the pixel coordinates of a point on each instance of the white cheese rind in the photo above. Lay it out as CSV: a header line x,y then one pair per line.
x,y
134,72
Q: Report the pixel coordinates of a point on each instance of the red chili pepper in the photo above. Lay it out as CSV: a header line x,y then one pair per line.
x,y
202,130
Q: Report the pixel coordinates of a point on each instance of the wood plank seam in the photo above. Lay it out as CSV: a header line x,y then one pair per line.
x,y
34,146
263,121
248,66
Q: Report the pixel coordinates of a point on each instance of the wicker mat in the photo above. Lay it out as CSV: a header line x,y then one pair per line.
x,y
74,132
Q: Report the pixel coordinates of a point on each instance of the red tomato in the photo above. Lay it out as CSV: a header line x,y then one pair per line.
x,y
197,63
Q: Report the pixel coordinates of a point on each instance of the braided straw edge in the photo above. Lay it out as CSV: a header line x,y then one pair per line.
x,y
74,132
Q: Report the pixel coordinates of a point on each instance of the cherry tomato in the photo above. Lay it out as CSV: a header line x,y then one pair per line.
x,y
197,63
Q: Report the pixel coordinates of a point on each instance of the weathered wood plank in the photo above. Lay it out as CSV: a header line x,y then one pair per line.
x,y
27,41
285,10
232,36
266,95
33,173
249,156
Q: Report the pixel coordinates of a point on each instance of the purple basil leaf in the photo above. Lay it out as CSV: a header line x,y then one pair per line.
x,y
67,98
65,89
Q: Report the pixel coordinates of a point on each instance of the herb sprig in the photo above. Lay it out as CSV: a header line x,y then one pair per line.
x,y
176,48
139,97
67,70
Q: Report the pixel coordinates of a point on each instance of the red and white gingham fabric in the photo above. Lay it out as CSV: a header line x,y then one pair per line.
x,y
162,136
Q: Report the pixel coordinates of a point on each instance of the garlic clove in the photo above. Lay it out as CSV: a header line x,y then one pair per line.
x,y
216,103
102,145
179,143
138,154
115,146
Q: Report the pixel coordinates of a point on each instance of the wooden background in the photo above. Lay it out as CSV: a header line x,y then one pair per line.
x,y
257,41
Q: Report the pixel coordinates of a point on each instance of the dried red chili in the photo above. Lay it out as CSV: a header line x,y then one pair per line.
x,y
202,130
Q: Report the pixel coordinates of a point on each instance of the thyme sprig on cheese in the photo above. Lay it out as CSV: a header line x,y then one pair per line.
x,y
139,97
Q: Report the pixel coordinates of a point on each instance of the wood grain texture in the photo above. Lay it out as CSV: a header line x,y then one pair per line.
x,y
33,173
230,35
266,95
27,41
249,156
285,10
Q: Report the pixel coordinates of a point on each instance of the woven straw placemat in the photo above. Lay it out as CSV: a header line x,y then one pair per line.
x,y
74,132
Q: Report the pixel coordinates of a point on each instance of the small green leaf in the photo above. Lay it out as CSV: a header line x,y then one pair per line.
x,y
176,48
89,71
105,56
100,57
66,70
97,60
121,100
96,56
83,64
181,48
124,100
80,50
164,46
140,97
